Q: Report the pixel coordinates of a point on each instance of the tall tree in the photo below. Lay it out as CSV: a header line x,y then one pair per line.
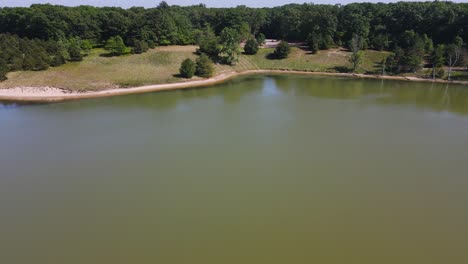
x,y
437,59
356,45
453,54
3,69
230,49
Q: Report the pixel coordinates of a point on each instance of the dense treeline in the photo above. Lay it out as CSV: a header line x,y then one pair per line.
x,y
57,32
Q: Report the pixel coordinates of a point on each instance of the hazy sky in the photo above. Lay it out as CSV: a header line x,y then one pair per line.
x,y
153,3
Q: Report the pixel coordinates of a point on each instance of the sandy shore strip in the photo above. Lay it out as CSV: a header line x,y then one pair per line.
x,y
51,94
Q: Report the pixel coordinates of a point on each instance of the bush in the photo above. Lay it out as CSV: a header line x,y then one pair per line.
x,y
187,68
151,44
116,46
75,53
283,50
204,66
260,38
140,47
57,60
440,73
313,43
251,47
3,70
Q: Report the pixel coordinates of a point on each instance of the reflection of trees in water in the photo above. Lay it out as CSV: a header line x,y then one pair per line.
x,y
333,87
439,97
233,91
446,98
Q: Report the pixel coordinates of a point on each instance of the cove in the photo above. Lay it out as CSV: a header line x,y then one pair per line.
x,y
260,169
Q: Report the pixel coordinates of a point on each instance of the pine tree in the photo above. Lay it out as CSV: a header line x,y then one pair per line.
x,y
251,47
3,70
116,46
187,68
204,66
283,50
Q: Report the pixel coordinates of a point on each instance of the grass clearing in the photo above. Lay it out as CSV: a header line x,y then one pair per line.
x,y
161,65
96,72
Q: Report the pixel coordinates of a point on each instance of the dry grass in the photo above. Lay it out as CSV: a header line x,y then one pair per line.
x,y
96,72
334,60
161,65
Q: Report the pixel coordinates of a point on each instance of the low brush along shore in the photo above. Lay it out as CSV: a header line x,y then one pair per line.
x,y
156,70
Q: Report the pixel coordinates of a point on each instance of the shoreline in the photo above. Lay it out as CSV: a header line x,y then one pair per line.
x,y
51,94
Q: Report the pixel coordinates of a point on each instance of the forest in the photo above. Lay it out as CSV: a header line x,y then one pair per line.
x,y
416,33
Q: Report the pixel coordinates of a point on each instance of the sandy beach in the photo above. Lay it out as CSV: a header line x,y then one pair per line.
x,y
52,94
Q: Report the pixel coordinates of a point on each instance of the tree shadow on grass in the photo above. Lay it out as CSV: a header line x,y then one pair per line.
x,y
341,69
460,77
108,55
306,49
271,56
178,75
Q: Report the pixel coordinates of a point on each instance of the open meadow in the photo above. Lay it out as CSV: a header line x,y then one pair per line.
x,y
161,65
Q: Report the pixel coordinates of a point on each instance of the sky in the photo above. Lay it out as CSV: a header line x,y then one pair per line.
x,y
153,3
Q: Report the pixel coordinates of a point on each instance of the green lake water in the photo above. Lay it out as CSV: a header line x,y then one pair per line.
x,y
261,169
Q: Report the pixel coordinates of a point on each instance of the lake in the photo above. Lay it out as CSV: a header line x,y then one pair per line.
x,y
260,169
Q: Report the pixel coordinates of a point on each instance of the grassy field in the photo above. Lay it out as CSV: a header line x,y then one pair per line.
x,y
161,65
334,60
96,72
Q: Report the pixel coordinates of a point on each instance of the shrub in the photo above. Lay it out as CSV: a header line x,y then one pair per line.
x,y
3,70
116,46
140,47
204,66
187,68
440,73
260,38
75,53
283,50
251,47
313,43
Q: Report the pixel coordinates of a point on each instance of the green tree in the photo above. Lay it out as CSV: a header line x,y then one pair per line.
x,y
251,47
283,50
437,59
187,68
453,55
75,52
356,45
313,42
413,47
260,38
57,59
140,47
208,42
3,70
230,49
204,66
116,46
86,46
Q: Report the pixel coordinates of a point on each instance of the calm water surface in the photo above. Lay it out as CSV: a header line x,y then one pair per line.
x,y
262,169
